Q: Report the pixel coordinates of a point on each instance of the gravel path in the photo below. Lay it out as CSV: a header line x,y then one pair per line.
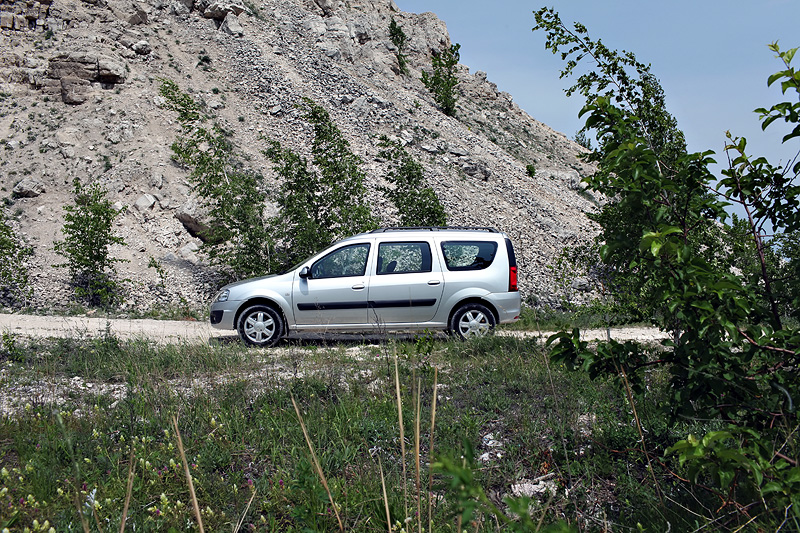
x,y
163,331
167,331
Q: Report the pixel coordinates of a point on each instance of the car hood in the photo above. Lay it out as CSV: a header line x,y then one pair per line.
x,y
247,281
255,286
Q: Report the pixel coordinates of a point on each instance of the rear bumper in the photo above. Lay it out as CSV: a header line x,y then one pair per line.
x,y
508,305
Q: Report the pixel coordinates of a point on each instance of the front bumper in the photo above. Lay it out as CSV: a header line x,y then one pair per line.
x,y
222,314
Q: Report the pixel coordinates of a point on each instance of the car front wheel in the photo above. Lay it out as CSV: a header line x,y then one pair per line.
x,y
472,320
260,325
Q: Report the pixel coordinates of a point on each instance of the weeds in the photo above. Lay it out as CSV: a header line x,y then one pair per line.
x,y
438,444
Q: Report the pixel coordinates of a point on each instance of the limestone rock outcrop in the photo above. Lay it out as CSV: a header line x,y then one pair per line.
x,y
79,98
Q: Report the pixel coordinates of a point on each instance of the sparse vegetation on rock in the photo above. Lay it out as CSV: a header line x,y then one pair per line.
x,y
238,238
340,56
399,39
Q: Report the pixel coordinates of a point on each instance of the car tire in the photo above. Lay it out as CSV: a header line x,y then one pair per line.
x,y
471,321
260,325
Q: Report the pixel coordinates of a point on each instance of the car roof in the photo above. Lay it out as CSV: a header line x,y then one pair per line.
x,y
426,231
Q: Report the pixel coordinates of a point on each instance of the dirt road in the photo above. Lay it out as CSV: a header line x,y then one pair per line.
x,y
167,331
164,331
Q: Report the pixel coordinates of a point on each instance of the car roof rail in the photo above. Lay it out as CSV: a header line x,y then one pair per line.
x,y
435,228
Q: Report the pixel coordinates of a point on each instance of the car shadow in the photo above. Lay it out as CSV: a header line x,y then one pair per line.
x,y
337,339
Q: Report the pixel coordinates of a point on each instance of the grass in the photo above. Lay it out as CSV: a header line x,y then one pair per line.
x,y
585,317
308,438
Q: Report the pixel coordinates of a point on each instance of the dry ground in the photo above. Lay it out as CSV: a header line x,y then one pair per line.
x,y
170,331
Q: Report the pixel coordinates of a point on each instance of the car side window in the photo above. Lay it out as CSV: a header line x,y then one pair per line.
x,y
346,261
468,255
403,258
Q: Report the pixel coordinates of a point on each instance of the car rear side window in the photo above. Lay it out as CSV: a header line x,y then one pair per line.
x,y
468,255
403,257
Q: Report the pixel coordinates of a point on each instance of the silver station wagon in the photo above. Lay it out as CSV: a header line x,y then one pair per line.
x,y
463,280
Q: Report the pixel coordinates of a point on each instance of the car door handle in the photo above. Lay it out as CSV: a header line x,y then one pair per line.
x,y
434,282
358,287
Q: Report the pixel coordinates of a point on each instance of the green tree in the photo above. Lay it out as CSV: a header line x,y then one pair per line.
x,y
620,77
88,237
442,80
322,203
636,93
14,287
398,38
732,358
417,204
239,239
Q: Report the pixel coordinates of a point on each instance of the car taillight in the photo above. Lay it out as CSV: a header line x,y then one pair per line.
x,y
512,279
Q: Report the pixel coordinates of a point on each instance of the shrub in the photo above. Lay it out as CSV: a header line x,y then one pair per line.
x,y
398,38
323,204
416,203
13,272
733,358
239,239
442,81
88,236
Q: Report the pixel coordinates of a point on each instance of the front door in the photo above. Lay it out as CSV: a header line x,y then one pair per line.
x,y
335,292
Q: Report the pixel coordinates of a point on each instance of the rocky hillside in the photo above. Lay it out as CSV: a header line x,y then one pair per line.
x,y
79,98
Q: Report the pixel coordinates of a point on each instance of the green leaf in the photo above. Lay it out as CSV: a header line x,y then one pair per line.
x,y
704,305
772,486
655,246
715,436
793,476
772,78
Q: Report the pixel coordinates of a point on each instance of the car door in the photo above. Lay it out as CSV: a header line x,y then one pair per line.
x,y
334,293
407,283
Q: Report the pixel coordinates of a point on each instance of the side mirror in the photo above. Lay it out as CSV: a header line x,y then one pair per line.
x,y
305,273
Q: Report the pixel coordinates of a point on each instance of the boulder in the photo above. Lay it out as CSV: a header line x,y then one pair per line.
x,y
6,20
190,215
110,70
218,10
142,48
145,202
81,65
326,6
189,252
139,16
476,170
74,90
21,23
87,66
28,188
179,9
231,25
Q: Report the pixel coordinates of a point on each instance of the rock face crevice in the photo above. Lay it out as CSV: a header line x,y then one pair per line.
x,y
79,98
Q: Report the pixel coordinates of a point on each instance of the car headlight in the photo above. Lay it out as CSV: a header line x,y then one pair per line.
x,y
223,296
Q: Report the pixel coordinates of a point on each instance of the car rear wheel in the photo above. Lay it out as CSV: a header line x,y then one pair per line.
x,y
260,325
472,320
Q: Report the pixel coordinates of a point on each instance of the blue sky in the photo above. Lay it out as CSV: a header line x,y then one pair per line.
x,y
710,56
